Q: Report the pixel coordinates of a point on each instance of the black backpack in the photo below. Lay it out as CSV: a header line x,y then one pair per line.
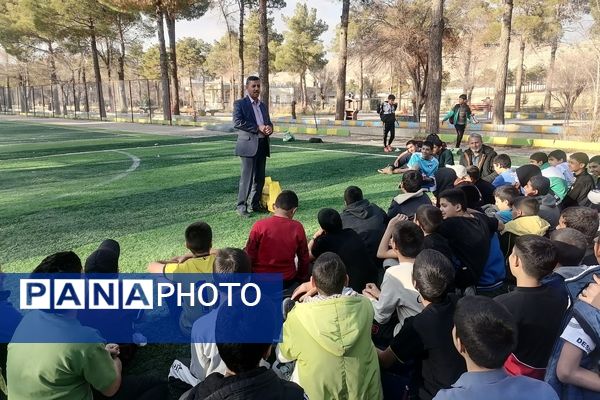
x,y
380,111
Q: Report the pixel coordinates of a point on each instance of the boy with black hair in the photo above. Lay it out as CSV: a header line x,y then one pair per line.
x,y
427,337
485,334
413,197
594,170
400,162
330,338
365,218
397,292
276,241
460,116
485,188
244,376
205,355
468,235
71,360
504,197
525,222
558,159
388,117
444,155
346,243
429,218
586,221
200,260
537,309
558,184
584,183
502,166
571,246
538,188
424,162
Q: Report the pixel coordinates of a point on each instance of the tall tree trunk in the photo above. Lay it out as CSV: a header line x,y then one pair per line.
x,y
519,78
121,68
204,90
241,48
86,99
468,82
502,70
97,75
263,51
170,19
434,84
550,75
164,65
53,79
304,92
361,83
596,87
340,83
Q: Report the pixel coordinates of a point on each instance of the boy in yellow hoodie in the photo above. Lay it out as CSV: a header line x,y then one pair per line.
x,y
329,337
526,221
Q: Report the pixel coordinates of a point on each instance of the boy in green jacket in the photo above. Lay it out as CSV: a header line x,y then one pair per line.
x,y
329,337
460,116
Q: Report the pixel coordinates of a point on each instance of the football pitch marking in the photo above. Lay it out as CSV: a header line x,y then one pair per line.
x,y
135,163
199,143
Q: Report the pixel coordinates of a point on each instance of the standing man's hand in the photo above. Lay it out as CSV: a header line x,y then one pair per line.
x,y
268,130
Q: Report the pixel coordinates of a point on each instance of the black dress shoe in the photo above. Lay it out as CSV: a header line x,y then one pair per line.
x,y
259,210
243,213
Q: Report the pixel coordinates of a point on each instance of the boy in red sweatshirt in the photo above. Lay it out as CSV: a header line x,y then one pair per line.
x,y
276,241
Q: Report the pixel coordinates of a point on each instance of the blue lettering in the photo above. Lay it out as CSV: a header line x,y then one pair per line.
x,y
68,294
41,290
99,291
141,296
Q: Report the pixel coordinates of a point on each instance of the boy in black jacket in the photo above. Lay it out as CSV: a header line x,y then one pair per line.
x,y
387,114
244,379
584,183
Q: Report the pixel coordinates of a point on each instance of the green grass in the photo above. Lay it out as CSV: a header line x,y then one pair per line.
x,y
63,188
58,192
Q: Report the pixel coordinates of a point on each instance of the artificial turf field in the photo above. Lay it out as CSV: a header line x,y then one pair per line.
x,y
68,188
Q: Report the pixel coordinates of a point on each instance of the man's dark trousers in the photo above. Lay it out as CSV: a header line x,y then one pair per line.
x,y
252,177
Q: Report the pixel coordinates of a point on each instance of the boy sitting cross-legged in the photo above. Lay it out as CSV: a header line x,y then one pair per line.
x,y
537,309
427,337
200,260
397,294
485,334
244,378
276,241
330,338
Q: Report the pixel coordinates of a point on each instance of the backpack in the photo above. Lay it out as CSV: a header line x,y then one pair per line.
x,y
380,111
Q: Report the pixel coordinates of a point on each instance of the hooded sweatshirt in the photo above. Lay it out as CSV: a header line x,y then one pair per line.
x,y
549,210
368,220
530,225
558,184
407,203
331,343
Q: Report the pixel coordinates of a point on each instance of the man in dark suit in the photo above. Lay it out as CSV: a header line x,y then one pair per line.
x,y
251,118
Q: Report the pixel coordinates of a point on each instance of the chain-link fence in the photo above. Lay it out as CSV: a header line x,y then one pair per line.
x,y
130,100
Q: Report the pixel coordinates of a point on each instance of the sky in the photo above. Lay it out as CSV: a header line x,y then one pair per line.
x,y
212,25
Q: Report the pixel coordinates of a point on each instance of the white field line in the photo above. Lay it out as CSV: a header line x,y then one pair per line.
x,y
135,163
195,144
